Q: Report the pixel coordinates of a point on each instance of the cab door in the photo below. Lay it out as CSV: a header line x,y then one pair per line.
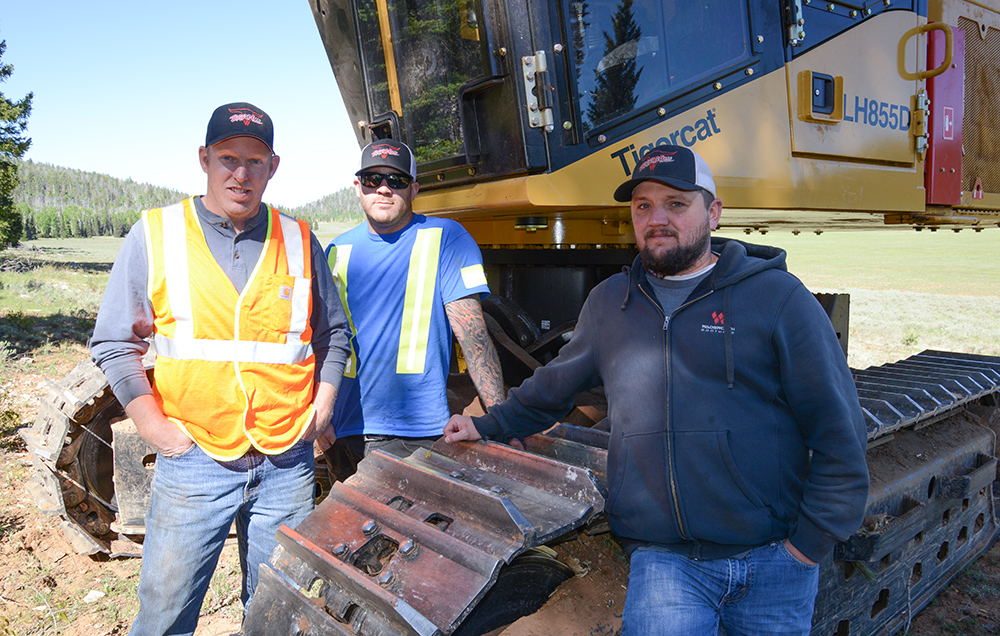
x,y
443,76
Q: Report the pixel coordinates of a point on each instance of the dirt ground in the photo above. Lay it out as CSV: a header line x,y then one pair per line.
x,y
47,588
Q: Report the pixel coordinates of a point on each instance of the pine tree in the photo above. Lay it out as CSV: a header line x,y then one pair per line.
x,y
614,93
13,145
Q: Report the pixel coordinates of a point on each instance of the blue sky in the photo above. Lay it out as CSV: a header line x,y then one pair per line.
x,y
126,88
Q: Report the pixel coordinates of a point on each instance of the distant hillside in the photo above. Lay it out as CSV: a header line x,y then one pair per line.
x,y
58,202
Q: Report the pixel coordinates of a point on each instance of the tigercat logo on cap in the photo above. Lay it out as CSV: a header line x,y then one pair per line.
x,y
384,151
246,116
663,157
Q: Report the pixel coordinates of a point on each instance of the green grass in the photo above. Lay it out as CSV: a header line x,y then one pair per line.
x,y
910,291
943,262
328,231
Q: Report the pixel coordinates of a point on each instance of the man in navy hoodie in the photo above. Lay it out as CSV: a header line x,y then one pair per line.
x,y
737,452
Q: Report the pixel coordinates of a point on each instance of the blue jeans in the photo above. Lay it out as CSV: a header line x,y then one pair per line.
x,y
193,503
767,591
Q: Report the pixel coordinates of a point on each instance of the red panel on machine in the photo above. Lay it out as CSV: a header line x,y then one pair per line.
x,y
943,170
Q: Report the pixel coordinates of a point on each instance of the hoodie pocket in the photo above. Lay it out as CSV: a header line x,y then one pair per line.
x,y
639,503
717,501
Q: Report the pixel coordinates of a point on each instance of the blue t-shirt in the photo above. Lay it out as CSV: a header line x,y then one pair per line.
x,y
394,288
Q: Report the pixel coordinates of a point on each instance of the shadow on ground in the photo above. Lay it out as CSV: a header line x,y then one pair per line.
x,y
20,262
24,334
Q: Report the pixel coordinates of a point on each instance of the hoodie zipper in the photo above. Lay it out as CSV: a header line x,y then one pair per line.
x,y
666,356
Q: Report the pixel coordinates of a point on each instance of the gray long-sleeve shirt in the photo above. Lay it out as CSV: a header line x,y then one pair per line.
x,y
125,318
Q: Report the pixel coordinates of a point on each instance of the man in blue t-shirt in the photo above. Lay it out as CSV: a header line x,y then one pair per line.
x,y
407,283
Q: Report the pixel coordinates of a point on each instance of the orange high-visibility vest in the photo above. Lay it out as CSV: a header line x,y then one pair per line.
x,y
232,369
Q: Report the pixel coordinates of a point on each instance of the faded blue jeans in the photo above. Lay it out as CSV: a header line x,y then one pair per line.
x,y
193,504
766,592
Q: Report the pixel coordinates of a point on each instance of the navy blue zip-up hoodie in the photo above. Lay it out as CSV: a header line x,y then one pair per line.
x,y
713,410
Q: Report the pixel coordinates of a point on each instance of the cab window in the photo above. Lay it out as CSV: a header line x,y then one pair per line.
x,y
627,54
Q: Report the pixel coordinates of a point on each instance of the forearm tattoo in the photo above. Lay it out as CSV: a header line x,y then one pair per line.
x,y
466,318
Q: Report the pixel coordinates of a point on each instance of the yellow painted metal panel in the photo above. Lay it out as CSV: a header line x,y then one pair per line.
x,y
876,101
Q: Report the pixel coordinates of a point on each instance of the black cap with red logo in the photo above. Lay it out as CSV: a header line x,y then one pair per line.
x,y
388,153
674,166
239,119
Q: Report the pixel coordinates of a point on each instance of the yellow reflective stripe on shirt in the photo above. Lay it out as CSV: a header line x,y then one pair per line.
x,y
418,304
473,276
338,258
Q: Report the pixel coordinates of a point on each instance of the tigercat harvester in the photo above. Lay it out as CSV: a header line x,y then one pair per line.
x,y
524,116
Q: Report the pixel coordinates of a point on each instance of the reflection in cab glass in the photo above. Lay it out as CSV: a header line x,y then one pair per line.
x,y
436,47
630,53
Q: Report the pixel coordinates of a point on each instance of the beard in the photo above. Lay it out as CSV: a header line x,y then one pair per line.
x,y
672,261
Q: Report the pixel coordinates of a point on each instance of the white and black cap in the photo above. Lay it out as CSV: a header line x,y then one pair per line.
x,y
674,166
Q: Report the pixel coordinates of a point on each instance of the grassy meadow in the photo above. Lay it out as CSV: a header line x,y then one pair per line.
x,y
909,290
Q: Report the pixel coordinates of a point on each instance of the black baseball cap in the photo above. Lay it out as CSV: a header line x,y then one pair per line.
x,y
239,119
674,166
388,153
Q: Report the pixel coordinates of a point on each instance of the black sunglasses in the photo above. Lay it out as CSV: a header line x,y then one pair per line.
x,y
374,179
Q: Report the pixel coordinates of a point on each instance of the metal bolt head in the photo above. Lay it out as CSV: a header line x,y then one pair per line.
x,y
503,51
854,13
601,138
370,527
408,548
661,111
760,39
868,11
557,47
496,490
457,474
886,2
340,549
749,71
567,125
386,578
717,86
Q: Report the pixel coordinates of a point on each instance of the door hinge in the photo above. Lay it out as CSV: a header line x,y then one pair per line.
x,y
537,91
918,125
795,22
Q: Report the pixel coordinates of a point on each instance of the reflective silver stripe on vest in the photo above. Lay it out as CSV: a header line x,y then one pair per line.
x,y
296,267
175,268
230,351
184,346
